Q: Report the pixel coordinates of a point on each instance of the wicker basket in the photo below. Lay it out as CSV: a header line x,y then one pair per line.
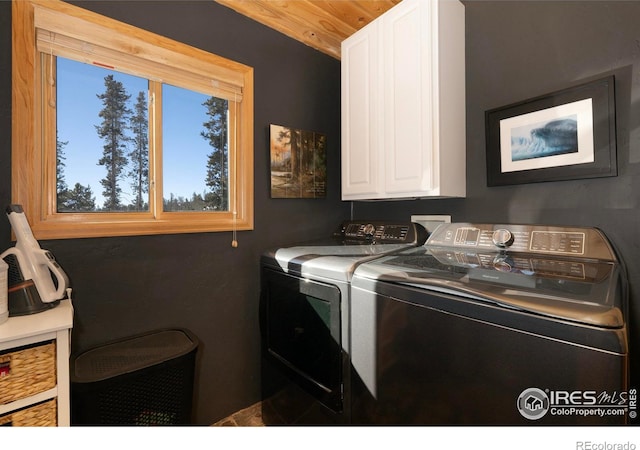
x,y
27,371
41,415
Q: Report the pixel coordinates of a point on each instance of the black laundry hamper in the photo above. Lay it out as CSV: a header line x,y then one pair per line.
x,y
144,380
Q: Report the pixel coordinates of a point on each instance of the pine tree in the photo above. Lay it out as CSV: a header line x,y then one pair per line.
x,y
80,198
62,189
112,130
293,139
139,155
296,153
217,179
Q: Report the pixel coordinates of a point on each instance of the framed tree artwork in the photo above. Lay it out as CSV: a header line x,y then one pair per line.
x,y
298,163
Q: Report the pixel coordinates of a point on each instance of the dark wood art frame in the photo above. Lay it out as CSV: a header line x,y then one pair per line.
x,y
592,129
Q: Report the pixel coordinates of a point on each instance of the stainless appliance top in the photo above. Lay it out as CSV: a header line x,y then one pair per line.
x,y
351,244
569,273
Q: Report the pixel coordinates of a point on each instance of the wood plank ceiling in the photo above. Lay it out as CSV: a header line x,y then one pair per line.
x,y
321,24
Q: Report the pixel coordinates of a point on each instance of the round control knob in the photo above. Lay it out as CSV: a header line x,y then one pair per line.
x,y
502,238
369,230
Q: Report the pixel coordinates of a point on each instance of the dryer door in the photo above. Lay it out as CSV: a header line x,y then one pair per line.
x,y
302,333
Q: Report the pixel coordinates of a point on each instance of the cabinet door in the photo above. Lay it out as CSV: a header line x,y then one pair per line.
x,y
408,98
361,115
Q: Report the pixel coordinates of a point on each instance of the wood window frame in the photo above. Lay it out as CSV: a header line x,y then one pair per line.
x,y
33,159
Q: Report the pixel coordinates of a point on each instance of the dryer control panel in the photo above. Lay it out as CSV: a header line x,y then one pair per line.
x,y
382,232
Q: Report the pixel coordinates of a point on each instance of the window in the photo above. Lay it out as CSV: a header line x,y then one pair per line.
x,y
119,131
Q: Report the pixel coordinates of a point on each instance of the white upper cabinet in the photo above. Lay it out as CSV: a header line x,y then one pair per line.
x,y
403,104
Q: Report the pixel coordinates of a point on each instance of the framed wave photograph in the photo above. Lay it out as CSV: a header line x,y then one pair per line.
x,y
565,135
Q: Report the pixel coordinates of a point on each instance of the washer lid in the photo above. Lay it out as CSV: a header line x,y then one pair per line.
x,y
584,291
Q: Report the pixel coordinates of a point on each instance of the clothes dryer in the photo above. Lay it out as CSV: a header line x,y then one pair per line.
x,y
305,319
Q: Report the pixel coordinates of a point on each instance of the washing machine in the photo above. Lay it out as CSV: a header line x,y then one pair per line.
x,y
305,319
493,324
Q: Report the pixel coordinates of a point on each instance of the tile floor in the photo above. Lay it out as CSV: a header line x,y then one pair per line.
x,y
248,417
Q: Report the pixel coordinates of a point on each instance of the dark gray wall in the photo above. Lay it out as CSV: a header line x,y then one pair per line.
x,y
518,50
515,50
124,286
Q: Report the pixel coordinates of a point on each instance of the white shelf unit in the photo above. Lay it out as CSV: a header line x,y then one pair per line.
x,y
54,324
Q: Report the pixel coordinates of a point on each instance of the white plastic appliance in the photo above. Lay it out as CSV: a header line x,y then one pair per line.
x,y
34,275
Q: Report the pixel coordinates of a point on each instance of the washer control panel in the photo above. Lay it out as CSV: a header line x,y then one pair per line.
x,y
570,241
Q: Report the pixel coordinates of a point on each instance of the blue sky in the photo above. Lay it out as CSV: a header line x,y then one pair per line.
x,y
185,151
